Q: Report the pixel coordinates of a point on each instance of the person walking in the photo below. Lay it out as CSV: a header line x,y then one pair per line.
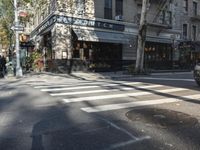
x,y
1,68
4,65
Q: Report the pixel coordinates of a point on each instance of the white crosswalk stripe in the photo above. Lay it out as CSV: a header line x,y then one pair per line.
x,y
87,87
101,97
105,90
80,83
107,95
137,104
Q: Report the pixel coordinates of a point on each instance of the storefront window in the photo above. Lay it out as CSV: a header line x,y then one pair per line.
x,y
158,55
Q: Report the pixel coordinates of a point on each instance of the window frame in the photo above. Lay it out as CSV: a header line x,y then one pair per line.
x,y
118,7
185,31
185,5
195,8
108,9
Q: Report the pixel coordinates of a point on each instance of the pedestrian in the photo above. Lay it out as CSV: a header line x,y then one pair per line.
x,y
1,68
4,65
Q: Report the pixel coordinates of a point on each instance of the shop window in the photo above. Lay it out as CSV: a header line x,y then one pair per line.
x,y
108,9
76,53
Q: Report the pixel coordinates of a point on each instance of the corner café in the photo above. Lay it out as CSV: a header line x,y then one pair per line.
x,y
98,44
91,44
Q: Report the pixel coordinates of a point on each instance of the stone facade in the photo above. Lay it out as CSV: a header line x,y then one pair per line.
x,y
189,18
165,21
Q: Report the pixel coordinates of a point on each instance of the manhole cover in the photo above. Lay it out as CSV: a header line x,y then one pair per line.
x,y
161,117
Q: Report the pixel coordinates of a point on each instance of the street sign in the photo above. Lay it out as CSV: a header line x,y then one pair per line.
x,y
17,28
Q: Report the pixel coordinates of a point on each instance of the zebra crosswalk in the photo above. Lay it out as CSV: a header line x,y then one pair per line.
x,y
107,96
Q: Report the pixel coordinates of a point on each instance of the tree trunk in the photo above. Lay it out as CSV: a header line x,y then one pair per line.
x,y
141,38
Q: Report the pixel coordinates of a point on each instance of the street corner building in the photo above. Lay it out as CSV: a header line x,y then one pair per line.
x,y
101,35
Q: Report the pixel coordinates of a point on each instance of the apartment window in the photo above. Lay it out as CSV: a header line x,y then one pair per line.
x,y
185,5
108,9
162,17
168,17
80,5
52,6
184,31
194,8
119,7
194,32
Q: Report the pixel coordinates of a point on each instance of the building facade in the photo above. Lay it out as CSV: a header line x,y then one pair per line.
x,y
102,34
189,48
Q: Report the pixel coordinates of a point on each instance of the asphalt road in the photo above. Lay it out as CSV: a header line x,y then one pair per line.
x,y
50,112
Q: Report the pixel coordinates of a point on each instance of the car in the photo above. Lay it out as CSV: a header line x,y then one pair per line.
x,y
197,73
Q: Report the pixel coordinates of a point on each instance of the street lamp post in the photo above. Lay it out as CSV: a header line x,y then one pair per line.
x,y
18,66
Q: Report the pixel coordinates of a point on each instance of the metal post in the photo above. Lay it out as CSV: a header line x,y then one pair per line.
x,y
18,66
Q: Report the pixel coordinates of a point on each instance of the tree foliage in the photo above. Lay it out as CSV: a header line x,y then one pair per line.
x,y
6,19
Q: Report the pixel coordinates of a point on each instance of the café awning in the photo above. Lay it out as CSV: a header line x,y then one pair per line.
x,y
101,36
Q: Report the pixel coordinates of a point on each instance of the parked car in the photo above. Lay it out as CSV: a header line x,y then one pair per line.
x,y
197,73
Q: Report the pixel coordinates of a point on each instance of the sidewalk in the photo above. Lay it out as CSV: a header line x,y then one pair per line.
x,y
96,76
119,75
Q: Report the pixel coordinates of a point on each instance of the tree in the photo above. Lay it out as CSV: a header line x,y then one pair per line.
x,y
6,20
141,38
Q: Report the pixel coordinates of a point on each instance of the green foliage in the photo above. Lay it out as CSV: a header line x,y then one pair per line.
x,y
31,61
7,18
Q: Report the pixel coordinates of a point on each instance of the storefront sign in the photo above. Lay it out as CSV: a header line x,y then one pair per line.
x,y
89,23
77,21
47,24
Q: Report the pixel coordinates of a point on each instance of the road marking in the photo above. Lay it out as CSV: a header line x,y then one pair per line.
x,y
137,104
91,98
65,85
122,144
91,130
87,87
166,79
80,83
105,90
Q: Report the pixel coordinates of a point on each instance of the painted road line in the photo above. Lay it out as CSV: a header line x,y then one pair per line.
x,y
101,97
65,85
137,104
166,79
87,87
123,144
81,83
104,90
